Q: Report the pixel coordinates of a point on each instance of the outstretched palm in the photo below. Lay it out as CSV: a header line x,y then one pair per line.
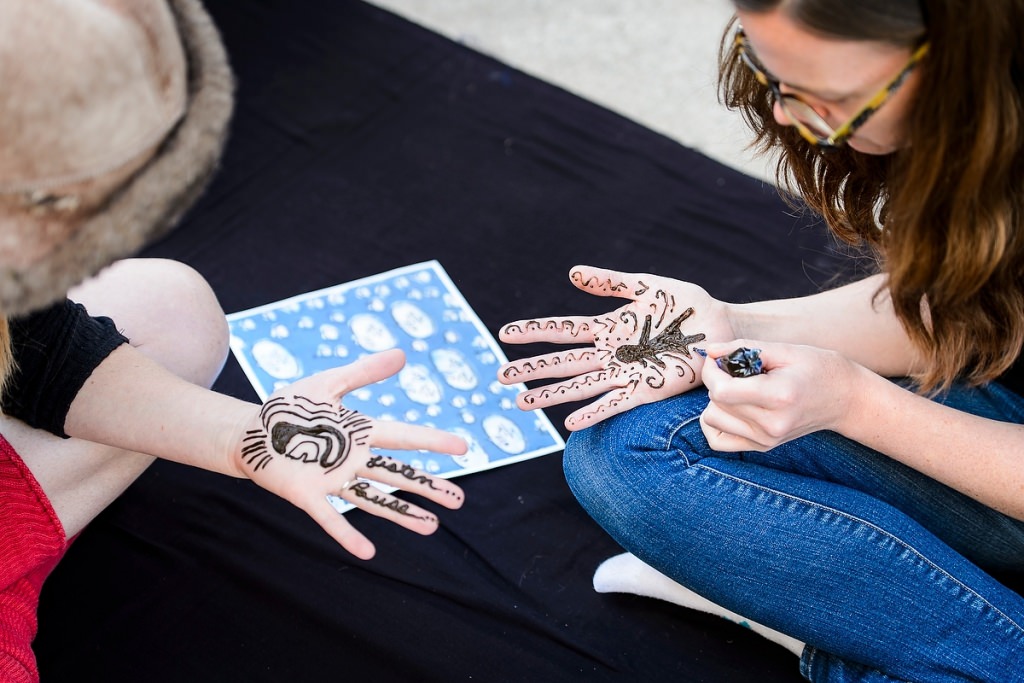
x,y
640,352
305,446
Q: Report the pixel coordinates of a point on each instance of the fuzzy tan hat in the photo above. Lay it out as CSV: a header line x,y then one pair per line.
x,y
113,114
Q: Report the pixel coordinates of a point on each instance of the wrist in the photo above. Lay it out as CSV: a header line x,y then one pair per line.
x,y
744,320
235,423
858,401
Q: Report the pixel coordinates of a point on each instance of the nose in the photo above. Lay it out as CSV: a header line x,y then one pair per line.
x,y
780,115
807,114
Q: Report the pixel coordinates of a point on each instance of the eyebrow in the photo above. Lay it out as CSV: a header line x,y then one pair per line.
x,y
828,96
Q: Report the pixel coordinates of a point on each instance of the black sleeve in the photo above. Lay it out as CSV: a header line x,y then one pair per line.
x,y
55,351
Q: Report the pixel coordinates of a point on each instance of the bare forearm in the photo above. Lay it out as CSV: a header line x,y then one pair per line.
x,y
847,319
133,403
974,455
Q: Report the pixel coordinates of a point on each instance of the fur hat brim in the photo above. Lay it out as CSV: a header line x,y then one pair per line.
x,y
155,197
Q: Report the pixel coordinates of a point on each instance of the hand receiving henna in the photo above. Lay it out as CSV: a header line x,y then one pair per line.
x,y
640,353
304,445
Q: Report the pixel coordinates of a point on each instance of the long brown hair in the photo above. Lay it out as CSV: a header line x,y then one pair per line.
x,y
944,214
6,354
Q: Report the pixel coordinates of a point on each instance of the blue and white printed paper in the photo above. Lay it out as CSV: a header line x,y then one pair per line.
x,y
451,363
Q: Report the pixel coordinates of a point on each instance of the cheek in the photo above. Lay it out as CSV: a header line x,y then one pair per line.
x,y
887,129
884,133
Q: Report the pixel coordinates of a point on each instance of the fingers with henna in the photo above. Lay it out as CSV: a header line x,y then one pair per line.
x,y
612,403
369,498
602,282
576,389
563,330
395,473
561,364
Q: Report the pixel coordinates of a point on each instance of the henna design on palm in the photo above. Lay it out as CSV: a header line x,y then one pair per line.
x,y
649,358
307,431
669,342
640,352
649,353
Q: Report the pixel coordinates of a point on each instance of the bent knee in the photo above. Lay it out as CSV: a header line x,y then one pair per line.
x,y
602,458
625,456
589,452
167,310
653,427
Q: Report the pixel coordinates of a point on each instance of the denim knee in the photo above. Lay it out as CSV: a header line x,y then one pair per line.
x,y
586,461
614,466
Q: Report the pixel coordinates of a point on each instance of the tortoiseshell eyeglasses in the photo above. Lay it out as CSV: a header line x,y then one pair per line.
x,y
805,119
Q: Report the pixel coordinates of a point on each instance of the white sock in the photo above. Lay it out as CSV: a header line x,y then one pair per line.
x,y
626,574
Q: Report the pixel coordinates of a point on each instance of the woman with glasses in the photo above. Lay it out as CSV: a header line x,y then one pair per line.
x,y
854,491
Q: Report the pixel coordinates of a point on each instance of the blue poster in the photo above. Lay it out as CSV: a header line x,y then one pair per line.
x,y
451,363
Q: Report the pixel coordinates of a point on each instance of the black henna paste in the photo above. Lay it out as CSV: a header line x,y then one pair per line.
x,y
670,304
587,380
669,340
254,452
569,326
307,431
333,445
364,491
577,276
531,366
401,468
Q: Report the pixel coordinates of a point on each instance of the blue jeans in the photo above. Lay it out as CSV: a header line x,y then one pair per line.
x,y
881,570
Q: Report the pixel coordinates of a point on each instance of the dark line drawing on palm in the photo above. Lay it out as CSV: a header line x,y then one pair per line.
x,y
645,361
307,431
651,353
648,359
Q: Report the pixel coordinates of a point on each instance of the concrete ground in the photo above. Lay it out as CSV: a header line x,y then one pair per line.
x,y
653,61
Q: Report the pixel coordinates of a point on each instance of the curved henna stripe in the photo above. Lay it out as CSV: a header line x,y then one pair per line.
x,y
536,366
605,285
561,389
547,325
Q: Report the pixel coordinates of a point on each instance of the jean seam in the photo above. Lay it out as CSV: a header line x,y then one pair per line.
x,y
807,661
874,527
672,438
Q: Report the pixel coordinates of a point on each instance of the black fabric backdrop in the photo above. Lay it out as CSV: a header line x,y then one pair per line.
x,y
362,143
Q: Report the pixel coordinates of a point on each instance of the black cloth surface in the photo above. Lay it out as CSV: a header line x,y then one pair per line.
x,y
363,143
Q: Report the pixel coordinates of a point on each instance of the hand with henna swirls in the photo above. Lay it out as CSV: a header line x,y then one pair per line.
x,y
304,446
640,353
